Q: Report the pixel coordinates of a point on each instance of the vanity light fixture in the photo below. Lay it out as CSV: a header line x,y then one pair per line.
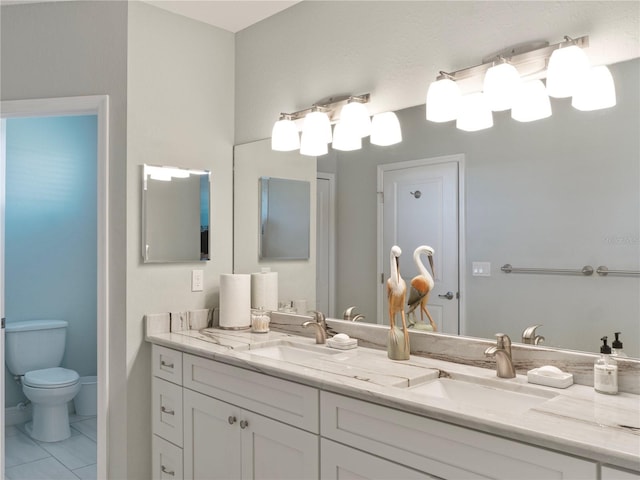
x,y
511,79
352,122
166,174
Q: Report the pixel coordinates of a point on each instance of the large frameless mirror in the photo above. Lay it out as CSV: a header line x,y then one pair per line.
x,y
175,214
284,218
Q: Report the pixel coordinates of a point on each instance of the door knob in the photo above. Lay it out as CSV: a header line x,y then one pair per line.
x,y
448,295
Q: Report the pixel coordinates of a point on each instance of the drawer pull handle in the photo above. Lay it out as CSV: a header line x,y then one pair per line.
x,y
165,364
244,424
166,410
163,469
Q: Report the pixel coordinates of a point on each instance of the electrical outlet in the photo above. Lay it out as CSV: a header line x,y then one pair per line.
x,y
197,280
481,269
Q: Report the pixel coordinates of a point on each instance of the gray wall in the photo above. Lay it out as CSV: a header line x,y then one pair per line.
x,y
180,113
80,48
561,192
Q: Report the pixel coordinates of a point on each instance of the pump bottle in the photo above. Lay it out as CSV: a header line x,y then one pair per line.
x,y
605,371
616,347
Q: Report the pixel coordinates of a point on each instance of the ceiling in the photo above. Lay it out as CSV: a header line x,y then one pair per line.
x,y
231,15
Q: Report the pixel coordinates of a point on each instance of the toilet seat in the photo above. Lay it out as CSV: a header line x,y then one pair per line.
x,y
56,377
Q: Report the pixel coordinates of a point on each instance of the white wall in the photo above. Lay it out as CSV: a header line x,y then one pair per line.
x,y
180,113
296,278
393,49
80,48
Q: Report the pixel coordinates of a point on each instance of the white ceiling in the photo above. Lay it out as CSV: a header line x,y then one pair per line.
x,y
231,15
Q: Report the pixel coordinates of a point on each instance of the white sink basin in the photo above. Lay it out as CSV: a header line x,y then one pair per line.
x,y
480,396
294,352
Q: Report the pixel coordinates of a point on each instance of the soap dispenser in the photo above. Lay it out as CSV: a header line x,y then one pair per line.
x,y
616,347
605,371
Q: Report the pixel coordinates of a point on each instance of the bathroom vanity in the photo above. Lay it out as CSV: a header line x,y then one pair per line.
x,y
241,405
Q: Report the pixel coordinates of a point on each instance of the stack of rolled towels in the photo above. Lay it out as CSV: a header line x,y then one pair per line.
x,y
239,292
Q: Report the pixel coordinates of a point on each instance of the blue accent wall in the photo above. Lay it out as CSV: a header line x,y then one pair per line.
x,y
51,231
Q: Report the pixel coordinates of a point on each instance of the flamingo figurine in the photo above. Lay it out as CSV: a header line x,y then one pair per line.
x,y
421,285
398,345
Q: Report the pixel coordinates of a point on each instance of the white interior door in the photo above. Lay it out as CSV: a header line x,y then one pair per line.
x,y
420,206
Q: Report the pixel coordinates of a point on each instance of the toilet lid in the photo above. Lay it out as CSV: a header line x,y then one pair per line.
x,y
51,378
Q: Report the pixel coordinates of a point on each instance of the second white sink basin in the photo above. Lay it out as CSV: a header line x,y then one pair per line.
x,y
294,352
480,396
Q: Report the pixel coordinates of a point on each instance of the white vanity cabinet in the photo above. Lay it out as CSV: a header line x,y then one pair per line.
x,y
242,424
613,473
166,413
436,448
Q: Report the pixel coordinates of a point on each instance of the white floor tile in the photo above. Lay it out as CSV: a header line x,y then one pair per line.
x,y
46,469
74,452
87,473
20,449
88,427
73,417
10,430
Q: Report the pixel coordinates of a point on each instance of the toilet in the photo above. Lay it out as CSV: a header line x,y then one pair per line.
x,y
33,352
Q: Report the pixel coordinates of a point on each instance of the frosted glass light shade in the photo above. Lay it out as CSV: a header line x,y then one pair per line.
x,y
345,138
313,143
596,90
500,84
385,129
443,100
531,102
355,116
566,67
284,136
318,124
475,113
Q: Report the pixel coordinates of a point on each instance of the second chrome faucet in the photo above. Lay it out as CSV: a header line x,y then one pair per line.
x,y
502,353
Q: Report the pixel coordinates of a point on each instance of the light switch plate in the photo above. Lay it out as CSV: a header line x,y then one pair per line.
x,y
197,280
481,269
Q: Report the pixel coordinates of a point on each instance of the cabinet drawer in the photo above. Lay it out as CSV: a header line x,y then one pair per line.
x,y
167,460
166,410
441,449
166,364
614,473
281,400
339,461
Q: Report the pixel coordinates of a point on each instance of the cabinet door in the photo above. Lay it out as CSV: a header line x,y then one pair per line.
x,y
211,438
339,462
273,450
167,460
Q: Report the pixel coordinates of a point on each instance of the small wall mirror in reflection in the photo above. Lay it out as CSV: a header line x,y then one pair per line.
x,y
175,214
284,219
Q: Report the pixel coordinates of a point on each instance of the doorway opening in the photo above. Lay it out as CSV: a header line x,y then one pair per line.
x,y
79,225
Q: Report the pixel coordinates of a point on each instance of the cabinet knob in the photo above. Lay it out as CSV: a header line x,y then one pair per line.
x,y
166,410
163,469
165,364
231,420
244,424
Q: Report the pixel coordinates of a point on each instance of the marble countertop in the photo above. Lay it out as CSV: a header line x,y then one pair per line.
x,y
575,420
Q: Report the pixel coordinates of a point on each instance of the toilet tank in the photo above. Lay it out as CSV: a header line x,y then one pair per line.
x,y
34,344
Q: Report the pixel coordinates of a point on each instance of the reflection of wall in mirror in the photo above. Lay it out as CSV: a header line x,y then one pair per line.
x,y
296,278
554,193
172,211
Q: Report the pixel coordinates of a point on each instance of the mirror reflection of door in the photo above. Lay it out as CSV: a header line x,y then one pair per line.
x,y
421,207
325,244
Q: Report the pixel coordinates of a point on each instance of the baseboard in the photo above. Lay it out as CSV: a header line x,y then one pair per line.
x,y
17,415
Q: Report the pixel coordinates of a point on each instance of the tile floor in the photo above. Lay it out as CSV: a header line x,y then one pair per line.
x,y
73,458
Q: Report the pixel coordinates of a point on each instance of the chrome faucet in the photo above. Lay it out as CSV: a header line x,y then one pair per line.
x,y
320,325
349,316
529,336
502,353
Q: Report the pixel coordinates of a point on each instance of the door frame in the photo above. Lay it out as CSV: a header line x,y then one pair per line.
x,y
85,105
331,178
458,158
